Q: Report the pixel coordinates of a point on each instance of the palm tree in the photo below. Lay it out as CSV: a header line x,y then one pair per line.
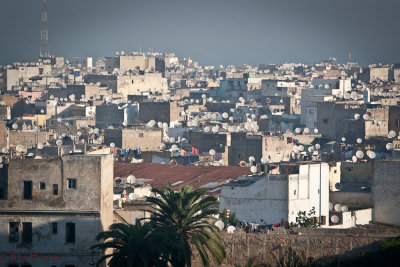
x,y
136,245
189,213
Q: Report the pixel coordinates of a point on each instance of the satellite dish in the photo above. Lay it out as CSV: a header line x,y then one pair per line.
x,y
345,208
15,126
389,146
252,159
330,206
359,140
242,163
112,145
220,224
131,179
38,157
359,154
40,146
334,219
365,116
297,130
343,139
317,146
212,152
132,196
231,229
315,130
306,130
338,207
263,160
221,162
59,142
253,169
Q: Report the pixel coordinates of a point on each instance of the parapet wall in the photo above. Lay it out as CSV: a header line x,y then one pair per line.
x,y
314,243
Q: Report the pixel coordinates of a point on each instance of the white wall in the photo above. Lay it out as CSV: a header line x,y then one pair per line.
x,y
264,201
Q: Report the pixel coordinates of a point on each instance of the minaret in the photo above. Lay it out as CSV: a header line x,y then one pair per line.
x,y
44,34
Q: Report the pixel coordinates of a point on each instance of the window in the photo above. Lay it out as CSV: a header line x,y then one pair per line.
x,y
13,232
349,169
55,189
140,134
27,232
70,232
294,193
71,183
54,228
335,171
325,120
42,185
27,189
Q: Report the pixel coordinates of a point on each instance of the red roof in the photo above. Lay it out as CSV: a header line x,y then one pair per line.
x,y
210,177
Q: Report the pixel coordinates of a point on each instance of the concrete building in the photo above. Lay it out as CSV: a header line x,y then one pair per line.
x,y
270,198
55,207
384,74
386,191
396,74
277,148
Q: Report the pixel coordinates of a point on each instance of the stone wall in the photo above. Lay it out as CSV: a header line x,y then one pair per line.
x,y
315,243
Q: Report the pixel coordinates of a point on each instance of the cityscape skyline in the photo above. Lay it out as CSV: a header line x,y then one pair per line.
x,y
305,31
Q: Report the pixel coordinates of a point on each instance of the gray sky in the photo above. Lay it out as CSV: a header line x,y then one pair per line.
x,y
211,31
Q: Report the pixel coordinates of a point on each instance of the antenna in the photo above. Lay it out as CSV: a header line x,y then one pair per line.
x,y
44,34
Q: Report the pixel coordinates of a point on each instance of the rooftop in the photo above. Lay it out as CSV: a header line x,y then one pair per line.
x,y
160,175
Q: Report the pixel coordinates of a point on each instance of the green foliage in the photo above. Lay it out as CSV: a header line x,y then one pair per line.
x,y
189,213
292,259
306,220
135,245
386,255
232,220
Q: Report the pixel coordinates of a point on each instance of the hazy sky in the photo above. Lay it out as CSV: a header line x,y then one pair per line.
x,y
211,31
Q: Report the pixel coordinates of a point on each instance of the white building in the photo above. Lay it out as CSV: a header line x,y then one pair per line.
x,y
270,198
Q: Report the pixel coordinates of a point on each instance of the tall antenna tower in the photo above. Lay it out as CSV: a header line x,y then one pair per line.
x,y
44,34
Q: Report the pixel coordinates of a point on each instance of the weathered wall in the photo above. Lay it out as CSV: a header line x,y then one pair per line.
x,y
386,191
315,243
351,199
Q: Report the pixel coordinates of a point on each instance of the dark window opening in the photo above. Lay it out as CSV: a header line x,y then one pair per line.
x,y
54,228
70,232
55,189
325,120
42,185
27,232
27,189
140,134
71,183
13,232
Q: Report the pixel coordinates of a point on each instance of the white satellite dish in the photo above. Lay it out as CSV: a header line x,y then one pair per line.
x,y
253,169
334,219
330,206
38,157
359,154
345,208
212,152
338,207
220,224
231,229
131,179
112,145
132,196
359,140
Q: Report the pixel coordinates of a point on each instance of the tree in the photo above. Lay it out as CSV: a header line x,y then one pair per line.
x,y
306,220
190,215
229,219
136,245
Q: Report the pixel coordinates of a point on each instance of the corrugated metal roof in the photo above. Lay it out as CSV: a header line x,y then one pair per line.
x,y
197,176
